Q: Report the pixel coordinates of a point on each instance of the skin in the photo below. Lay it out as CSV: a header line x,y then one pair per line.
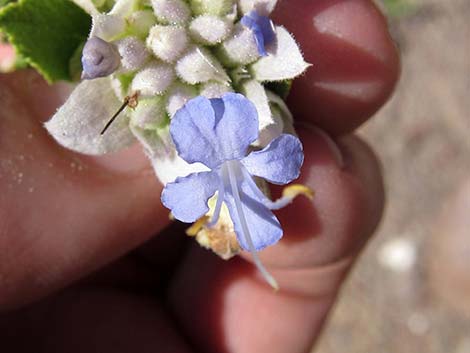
x,y
90,261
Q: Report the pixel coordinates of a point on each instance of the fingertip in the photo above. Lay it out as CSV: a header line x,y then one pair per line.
x,y
223,304
355,63
344,212
215,301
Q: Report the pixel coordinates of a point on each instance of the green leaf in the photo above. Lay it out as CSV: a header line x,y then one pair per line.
x,y
75,63
281,88
399,8
46,33
5,2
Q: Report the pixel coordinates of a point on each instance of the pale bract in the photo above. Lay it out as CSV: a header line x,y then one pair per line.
x,y
170,51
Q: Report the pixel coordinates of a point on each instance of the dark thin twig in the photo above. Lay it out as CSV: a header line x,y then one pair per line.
x,y
123,106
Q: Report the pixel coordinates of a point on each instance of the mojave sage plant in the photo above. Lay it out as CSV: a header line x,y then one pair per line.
x,y
191,81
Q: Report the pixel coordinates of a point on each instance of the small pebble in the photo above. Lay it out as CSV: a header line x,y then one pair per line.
x,y
398,255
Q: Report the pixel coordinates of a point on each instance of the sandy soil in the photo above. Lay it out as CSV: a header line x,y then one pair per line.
x,y
423,139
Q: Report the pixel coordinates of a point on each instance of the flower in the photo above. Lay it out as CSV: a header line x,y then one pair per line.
x,y
217,133
263,30
170,51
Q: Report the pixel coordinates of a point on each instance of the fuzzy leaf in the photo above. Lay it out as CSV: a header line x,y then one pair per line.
x,y
77,124
46,32
161,151
269,128
281,88
87,5
284,62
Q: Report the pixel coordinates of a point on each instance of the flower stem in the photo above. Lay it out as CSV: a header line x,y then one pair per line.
x,y
246,232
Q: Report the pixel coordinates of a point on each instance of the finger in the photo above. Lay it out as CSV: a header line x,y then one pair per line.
x,y
226,307
63,215
345,210
91,320
355,64
150,266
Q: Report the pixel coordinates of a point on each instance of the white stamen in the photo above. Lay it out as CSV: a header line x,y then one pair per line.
x,y
279,203
272,205
218,205
246,232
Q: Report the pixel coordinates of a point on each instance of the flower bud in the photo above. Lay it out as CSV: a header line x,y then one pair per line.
x,y
167,42
99,59
215,89
178,95
240,48
199,65
210,30
171,11
133,53
211,7
154,79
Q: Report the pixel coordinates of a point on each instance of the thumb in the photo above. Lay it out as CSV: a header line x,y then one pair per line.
x,y
72,213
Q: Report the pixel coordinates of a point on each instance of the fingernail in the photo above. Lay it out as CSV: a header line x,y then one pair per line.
x,y
352,21
359,91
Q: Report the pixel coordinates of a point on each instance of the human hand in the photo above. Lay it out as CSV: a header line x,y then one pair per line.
x,y
89,260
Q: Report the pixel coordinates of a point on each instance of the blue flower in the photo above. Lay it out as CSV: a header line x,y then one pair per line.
x,y
217,133
263,30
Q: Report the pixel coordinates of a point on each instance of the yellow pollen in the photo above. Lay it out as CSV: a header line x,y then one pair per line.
x,y
197,226
294,190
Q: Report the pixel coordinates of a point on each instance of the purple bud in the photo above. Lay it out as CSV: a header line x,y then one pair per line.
x,y
99,59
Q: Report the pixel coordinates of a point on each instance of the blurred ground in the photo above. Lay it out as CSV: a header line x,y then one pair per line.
x,y
423,139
